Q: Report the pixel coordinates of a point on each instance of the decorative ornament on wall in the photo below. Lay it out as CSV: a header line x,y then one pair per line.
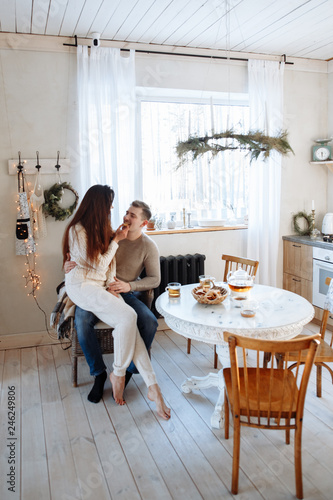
x,y
307,223
255,142
53,197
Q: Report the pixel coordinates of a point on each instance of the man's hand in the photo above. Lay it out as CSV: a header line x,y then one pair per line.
x,y
119,286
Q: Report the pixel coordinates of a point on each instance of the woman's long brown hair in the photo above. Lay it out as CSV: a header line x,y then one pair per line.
x,y
94,215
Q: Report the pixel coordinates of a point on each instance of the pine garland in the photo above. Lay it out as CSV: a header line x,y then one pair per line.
x,y
255,142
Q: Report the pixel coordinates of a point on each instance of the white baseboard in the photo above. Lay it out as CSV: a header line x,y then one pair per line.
x,y
21,340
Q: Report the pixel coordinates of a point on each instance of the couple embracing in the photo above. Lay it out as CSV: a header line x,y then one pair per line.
x,y
92,284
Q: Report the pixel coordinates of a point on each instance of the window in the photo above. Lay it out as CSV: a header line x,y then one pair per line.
x,y
208,187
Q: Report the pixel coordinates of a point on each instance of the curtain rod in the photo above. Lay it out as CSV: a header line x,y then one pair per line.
x,y
198,55
141,51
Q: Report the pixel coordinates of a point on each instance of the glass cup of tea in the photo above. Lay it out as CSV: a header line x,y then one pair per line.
x,y
249,308
174,289
206,282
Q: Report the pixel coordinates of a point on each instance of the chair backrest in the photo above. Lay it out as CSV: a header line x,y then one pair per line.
x,y
265,397
233,263
324,319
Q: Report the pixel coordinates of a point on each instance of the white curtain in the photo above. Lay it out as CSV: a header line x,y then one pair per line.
x,y
106,101
266,114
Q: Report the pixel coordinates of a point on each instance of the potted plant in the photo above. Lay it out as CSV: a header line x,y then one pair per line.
x,y
151,224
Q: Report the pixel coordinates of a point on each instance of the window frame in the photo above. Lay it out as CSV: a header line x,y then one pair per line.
x,y
183,96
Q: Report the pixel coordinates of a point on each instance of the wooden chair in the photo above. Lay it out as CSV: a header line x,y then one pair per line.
x,y
104,335
324,352
267,398
232,263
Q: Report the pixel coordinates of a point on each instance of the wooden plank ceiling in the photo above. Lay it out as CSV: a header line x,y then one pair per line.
x,y
297,28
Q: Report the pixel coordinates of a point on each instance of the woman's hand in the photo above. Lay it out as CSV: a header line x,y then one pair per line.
x,y
113,293
69,264
121,233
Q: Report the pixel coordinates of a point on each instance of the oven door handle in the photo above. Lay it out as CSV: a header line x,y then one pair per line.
x,y
323,265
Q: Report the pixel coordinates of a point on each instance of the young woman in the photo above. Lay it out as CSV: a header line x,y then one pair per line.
x,y
92,244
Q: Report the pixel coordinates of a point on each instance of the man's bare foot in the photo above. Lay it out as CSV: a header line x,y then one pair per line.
x,y
118,385
154,394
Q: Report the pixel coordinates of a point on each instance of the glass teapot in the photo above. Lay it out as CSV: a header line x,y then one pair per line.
x,y
240,284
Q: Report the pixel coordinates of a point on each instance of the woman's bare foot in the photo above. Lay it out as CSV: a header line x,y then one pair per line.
x,y
118,385
154,394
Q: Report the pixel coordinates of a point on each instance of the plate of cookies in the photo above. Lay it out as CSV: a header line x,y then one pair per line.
x,y
214,295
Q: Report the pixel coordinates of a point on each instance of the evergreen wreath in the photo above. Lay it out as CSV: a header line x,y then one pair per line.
x,y
307,218
53,197
255,142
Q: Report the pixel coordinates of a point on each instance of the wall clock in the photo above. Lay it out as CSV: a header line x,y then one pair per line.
x,y
322,151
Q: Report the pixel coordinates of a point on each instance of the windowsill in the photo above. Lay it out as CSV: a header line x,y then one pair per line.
x,y
195,229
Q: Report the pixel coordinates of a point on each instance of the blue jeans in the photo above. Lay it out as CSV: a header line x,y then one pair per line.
x,y
86,320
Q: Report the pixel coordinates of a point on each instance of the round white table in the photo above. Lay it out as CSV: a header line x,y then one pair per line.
x,y
281,315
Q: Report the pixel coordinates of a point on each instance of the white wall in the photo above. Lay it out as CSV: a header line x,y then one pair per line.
x,y
212,244
38,112
330,134
37,109
305,109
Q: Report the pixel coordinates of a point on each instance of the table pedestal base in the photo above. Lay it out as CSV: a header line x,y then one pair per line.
x,y
210,380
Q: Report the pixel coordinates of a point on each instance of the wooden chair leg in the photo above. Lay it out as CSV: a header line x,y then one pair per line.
x,y
298,460
216,358
235,457
318,376
74,371
267,358
287,432
226,416
188,346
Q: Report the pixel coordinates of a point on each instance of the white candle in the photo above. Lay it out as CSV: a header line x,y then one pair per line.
x,y
313,205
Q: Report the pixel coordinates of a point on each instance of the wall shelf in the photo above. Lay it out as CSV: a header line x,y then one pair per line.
x,y
328,163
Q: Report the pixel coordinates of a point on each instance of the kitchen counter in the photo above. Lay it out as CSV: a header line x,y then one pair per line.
x,y
306,240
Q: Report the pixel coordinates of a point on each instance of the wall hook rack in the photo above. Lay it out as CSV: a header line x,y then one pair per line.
x,y
38,165
19,165
20,175
46,166
57,166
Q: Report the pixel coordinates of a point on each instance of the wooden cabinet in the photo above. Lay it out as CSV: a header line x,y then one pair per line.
x,y
297,268
297,259
297,274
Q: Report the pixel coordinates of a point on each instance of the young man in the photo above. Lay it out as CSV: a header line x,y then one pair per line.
x,y
135,253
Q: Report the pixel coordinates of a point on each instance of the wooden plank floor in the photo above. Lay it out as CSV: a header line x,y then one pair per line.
x,y
58,446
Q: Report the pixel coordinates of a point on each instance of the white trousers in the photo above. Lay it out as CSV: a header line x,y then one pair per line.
x,y
128,344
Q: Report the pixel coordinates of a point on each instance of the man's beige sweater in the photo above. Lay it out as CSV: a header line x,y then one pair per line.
x,y
134,256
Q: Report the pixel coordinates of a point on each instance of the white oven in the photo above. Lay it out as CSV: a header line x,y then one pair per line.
x,y
322,268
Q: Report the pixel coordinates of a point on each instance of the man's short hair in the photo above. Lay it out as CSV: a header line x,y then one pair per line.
x,y
146,212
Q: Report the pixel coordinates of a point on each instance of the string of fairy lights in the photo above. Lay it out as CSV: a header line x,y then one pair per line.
x,y
31,276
